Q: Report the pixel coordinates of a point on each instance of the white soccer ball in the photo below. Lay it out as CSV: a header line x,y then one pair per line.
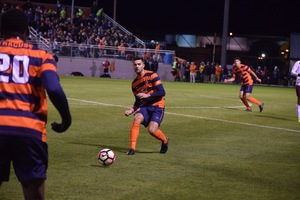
x,y
106,157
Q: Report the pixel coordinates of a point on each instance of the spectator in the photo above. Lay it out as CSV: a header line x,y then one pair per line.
x,y
225,73
94,9
121,50
212,68
175,69
201,72
206,73
275,75
154,66
193,68
218,72
265,76
259,73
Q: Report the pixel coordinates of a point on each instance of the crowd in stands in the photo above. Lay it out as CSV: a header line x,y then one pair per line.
x,y
55,23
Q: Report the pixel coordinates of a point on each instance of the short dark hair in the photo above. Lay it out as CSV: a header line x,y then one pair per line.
x,y
14,23
238,58
138,58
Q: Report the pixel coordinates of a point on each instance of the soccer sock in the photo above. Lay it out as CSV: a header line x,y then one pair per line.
x,y
298,110
134,133
253,100
244,100
160,136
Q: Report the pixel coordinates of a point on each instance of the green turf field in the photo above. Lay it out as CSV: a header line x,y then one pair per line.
x,y
216,150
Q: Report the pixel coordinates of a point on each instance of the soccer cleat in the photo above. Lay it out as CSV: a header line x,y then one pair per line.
x,y
164,147
130,152
248,110
261,107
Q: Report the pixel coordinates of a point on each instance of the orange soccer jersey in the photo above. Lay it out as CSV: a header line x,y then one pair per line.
x,y
23,102
147,83
243,72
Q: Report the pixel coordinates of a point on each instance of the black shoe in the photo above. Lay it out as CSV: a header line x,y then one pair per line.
x,y
130,152
261,107
164,147
248,110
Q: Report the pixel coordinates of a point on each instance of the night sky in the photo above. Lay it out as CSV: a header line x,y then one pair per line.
x,y
246,17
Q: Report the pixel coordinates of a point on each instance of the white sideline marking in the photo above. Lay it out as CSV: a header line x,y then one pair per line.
x,y
193,116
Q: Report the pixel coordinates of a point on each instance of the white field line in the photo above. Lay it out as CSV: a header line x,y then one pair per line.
x,y
193,116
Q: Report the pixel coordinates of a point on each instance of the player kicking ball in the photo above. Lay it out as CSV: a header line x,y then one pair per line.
x,y
149,105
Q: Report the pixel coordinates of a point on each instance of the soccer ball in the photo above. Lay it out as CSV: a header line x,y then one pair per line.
x,y
106,157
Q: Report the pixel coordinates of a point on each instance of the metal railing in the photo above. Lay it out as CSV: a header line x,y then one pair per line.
x,y
139,41
36,38
95,52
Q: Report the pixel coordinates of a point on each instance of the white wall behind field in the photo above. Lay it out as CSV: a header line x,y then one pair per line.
x,y
93,68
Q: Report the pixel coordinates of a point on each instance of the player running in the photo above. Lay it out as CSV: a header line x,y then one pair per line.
x,y
244,73
149,105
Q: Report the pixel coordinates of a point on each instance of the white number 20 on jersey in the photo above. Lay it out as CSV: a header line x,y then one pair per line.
x,y
20,66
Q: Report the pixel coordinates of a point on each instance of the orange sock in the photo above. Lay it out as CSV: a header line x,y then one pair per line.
x,y
253,100
134,133
244,100
160,136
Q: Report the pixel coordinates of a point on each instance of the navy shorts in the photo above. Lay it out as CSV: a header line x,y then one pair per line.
x,y
246,88
151,113
29,157
298,90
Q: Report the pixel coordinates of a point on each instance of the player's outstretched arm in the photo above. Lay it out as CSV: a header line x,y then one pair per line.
x,y
229,80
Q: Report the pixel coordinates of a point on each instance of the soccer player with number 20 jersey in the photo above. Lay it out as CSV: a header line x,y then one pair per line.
x,y
26,73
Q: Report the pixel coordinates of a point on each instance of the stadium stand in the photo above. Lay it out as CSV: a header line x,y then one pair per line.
x,y
86,36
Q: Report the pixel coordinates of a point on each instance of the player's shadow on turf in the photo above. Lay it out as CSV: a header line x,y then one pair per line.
x,y
114,148
274,117
102,146
229,108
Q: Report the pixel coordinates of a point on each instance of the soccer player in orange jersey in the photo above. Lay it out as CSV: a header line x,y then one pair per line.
x,y
243,72
25,73
149,105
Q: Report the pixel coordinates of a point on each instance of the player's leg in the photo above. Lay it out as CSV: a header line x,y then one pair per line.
x,y
5,158
158,134
30,163
248,91
157,115
298,102
34,189
243,98
135,129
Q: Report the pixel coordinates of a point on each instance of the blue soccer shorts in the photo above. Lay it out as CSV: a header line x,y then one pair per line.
x,y
29,157
298,90
151,113
246,88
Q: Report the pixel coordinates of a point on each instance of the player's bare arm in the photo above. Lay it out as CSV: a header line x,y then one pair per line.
x,y
229,80
255,76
